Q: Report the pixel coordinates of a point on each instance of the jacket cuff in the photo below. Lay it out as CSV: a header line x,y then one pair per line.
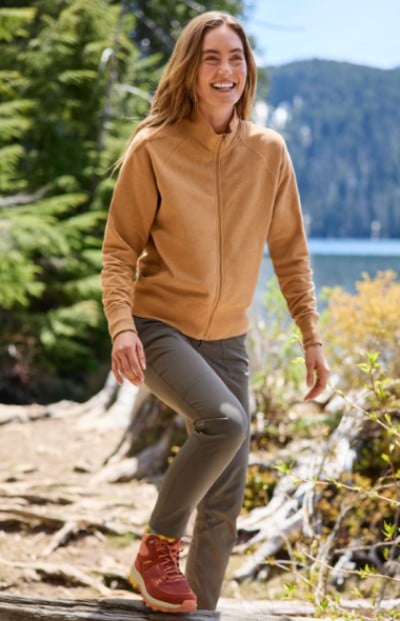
x,y
311,335
121,324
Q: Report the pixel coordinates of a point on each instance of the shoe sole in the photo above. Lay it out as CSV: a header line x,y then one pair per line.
x,y
136,580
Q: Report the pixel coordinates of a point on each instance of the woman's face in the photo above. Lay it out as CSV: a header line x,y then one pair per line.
x,y
222,72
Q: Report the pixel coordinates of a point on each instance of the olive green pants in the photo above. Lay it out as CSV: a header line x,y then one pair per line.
x,y
206,382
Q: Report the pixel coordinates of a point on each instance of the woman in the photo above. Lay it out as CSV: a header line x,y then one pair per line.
x,y
199,193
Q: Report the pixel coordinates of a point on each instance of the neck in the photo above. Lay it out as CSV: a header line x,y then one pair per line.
x,y
218,119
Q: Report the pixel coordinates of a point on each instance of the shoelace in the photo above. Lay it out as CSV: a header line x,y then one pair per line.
x,y
169,558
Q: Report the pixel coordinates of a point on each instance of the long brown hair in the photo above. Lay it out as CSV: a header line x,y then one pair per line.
x,y
175,97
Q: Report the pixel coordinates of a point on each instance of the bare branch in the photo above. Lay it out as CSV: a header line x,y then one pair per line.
x,y
23,198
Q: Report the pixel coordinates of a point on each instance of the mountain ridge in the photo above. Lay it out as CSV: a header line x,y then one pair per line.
x,y
341,122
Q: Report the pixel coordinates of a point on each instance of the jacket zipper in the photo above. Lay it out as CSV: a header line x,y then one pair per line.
x,y
219,216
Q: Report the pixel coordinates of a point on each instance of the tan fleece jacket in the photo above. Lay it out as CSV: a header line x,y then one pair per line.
x,y
190,215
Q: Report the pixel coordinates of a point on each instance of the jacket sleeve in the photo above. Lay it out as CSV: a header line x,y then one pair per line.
x,y
131,214
289,253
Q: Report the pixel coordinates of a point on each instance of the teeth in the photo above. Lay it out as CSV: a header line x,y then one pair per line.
x,y
223,85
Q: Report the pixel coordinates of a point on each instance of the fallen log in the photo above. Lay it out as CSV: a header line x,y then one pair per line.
x,y
291,508
23,608
17,608
94,407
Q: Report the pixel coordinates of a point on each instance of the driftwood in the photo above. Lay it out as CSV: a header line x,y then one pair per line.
x,y
95,406
112,407
16,608
71,524
291,508
22,413
69,575
129,460
291,511
65,526
22,492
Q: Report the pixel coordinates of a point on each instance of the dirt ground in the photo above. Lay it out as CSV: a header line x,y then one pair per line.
x,y
48,483
66,534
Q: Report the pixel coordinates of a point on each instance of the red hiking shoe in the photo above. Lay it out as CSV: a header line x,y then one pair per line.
x,y
156,574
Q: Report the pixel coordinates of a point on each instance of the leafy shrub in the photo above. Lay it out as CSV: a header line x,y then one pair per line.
x,y
355,515
361,323
274,349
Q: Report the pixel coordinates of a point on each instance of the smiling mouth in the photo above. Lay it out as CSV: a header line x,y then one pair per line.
x,y
223,86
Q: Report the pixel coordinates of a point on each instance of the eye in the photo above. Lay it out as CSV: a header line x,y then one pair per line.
x,y
238,58
211,59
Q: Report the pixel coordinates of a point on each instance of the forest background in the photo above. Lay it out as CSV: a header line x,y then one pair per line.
x,y
75,77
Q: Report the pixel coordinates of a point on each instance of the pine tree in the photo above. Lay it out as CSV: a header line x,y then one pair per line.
x,y
60,111
159,22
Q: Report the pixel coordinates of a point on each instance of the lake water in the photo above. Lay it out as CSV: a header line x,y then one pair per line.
x,y
342,261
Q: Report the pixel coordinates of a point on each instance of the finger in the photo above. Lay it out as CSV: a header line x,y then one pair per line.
x,y
131,368
132,373
313,393
136,367
129,375
141,356
318,387
310,376
116,373
123,366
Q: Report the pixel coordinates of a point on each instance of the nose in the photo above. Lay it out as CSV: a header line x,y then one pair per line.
x,y
224,66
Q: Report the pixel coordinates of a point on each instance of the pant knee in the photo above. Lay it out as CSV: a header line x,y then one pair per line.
x,y
237,421
230,426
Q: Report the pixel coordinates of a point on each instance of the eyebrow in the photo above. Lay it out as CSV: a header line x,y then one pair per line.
x,y
235,49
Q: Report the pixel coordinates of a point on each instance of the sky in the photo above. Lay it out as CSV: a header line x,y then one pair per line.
x,y
365,32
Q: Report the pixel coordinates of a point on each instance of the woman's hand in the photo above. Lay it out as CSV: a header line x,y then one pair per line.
x,y
317,371
127,358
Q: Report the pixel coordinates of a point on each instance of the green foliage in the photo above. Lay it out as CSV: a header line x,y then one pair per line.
x,y
359,324
356,512
343,132
277,369
73,84
259,487
13,22
60,108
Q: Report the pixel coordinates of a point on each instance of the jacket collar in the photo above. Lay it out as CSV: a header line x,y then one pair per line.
x,y
198,127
